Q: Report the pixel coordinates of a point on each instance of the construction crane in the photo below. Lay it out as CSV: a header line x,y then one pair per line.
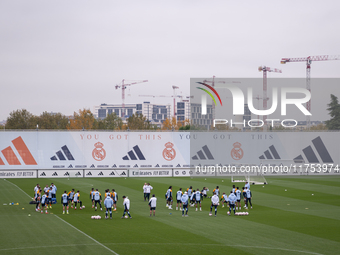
x,y
258,98
123,85
266,69
308,61
174,88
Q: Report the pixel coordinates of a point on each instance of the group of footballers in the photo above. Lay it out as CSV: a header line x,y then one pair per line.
x,y
184,199
194,197
110,202
44,197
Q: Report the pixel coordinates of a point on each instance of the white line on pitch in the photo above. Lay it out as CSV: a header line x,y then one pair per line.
x,y
227,245
86,235
71,224
50,246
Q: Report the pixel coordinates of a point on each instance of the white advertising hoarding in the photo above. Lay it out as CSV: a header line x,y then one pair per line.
x,y
66,173
105,173
93,150
18,174
150,173
107,151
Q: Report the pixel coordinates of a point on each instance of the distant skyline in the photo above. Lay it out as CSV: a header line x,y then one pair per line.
x,y
64,56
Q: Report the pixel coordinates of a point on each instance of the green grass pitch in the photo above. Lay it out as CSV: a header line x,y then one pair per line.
x,y
286,219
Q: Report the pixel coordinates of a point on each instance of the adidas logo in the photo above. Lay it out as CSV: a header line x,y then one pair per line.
x,y
132,154
112,173
270,154
178,165
67,174
92,166
70,166
55,174
135,165
22,150
157,165
43,174
310,155
62,153
89,174
123,173
114,165
206,155
101,173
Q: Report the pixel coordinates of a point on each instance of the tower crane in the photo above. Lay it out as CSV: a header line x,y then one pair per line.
x,y
258,98
308,61
266,69
174,88
123,85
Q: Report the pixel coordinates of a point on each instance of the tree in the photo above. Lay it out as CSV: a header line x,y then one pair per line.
x,y
52,121
186,127
111,122
82,120
138,122
319,127
220,127
21,119
334,112
173,124
279,128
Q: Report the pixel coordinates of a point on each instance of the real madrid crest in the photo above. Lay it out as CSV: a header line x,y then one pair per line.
x,y
236,153
169,153
98,153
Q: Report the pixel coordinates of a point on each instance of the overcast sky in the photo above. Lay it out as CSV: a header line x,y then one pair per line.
x,y
62,56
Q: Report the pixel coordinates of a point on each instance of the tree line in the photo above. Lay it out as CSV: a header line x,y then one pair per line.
x,y
85,120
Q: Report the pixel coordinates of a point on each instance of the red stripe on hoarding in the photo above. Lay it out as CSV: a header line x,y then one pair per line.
x,y
1,162
10,156
23,151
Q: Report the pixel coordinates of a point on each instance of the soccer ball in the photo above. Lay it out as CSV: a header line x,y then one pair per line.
x,y
126,216
210,214
83,206
92,217
228,213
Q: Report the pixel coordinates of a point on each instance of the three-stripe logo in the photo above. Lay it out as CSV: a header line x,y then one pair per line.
x,y
310,154
206,155
22,150
132,154
270,154
61,156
